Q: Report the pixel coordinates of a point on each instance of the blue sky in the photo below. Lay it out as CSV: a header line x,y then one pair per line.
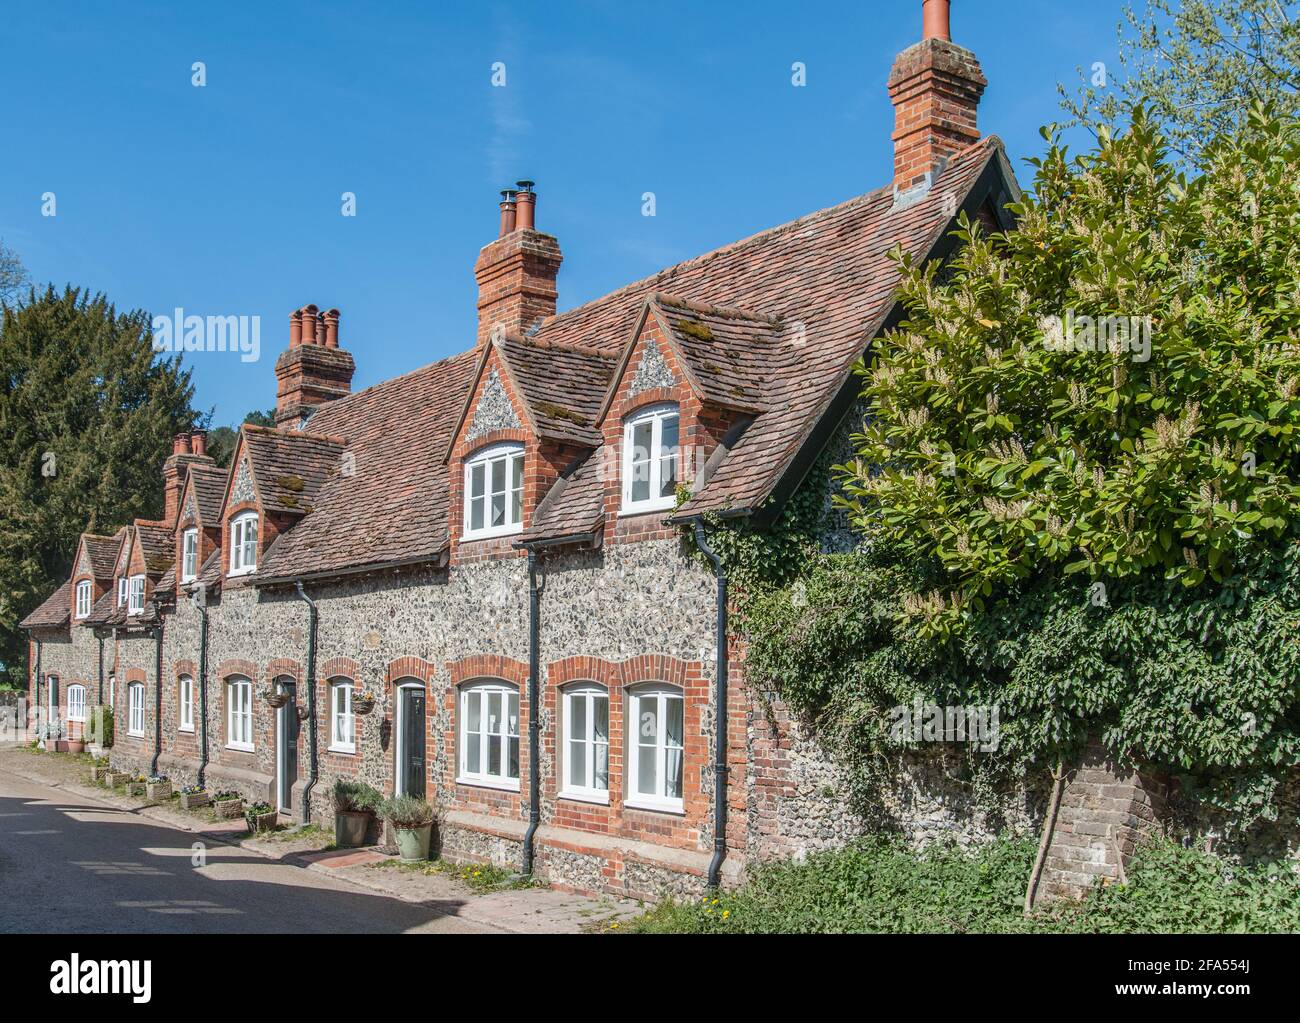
x,y
225,200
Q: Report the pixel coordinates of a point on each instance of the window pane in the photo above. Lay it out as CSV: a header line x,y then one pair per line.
x,y
472,715
577,762
513,706
499,475
513,760
494,755
498,509
668,458
648,719
578,716
516,507
476,512
516,472
476,478
601,779
600,704
494,713
673,774
646,775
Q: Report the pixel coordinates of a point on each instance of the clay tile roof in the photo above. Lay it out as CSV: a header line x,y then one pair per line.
x,y
157,541
393,505
730,353
54,612
167,584
102,551
573,507
562,384
290,468
209,485
103,610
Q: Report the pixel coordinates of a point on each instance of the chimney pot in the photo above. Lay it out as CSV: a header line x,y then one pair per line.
x,y
525,207
199,442
936,19
181,444
295,328
308,324
332,329
507,211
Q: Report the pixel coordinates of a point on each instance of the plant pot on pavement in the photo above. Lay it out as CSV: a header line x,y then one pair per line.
x,y
159,790
76,746
350,828
413,843
229,809
193,800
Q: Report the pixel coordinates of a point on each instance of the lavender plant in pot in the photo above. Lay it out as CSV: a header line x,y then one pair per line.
x,y
412,821
354,805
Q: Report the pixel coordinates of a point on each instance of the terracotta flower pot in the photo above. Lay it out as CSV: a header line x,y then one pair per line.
x,y
76,746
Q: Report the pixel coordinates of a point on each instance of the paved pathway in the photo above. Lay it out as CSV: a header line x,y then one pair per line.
x,y
77,858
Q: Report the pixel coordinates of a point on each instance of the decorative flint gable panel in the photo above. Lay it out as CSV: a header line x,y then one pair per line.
x,y
494,410
243,488
190,512
651,372
83,562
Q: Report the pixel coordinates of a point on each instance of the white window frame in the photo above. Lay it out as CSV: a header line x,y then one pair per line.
x,y
508,452
121,590
661,749
239,714
586,693
112,691
483,691
76,702
190,555
135,591
185,704
135,709
656,415
83,599
343,722
243,547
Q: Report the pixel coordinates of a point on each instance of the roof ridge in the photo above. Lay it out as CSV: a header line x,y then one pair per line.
x,y
729,312
272,431
562,346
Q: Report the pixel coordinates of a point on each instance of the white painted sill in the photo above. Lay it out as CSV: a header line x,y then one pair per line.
x,y
488,783
491,534
595,798
630,510
678,809
239,747
135,735
185,728
342,749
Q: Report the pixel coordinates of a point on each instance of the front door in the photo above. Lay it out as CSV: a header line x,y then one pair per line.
x,y
412,766
287,729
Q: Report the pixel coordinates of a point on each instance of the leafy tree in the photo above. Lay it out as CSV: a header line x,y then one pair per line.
x,y
222,439
87,414
1198,67
1114,388
13,275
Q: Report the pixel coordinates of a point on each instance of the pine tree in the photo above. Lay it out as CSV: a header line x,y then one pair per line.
x,y
87,413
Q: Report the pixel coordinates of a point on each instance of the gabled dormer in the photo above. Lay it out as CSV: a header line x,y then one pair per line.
x,y
529,414
690,379
92,576
273,482
199,524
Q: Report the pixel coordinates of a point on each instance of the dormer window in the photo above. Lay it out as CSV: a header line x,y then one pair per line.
x,y
243,543
83,599
121,591
136,594
650,459
189,555
494,491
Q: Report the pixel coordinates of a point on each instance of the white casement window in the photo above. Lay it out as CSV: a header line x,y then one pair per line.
x,y
239,714
83,599
655,746
185,703
586,743
243,543
342,734
189,555
135,709
494,491
121,591
650,459
76,703
136,591
489,735
112,690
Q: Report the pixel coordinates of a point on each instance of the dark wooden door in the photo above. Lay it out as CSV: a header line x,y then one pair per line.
x,y
289,755
413,742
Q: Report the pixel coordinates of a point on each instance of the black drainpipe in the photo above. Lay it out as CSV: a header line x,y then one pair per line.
x,y
534,717
157,698
100,636
199,599
38,681
720,720
311,702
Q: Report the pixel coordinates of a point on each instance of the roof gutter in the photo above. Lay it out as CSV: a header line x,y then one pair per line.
x,y
312,769
720,721
438,561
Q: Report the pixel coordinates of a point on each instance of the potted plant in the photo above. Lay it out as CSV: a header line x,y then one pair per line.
x,y
137,785
354,805
228,805
77,745
114,777
52,732
412,821
261,816
277,698
98,768
158,787
193,797
363,702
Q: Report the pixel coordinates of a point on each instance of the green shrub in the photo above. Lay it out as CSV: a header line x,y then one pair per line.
x,y
352,796
880,886
406,812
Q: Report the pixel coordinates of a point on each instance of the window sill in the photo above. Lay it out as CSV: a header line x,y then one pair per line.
x,y
185,728
80,720
595,798
239,747
631,510
489,783
186,580
236,572
134,735
677,809
490,534
341,749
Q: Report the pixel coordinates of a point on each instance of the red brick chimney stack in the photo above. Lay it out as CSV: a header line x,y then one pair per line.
x,y
187,449
313,369
516,272
935,87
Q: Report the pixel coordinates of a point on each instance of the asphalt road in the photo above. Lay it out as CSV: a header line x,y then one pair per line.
x,y
72,864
